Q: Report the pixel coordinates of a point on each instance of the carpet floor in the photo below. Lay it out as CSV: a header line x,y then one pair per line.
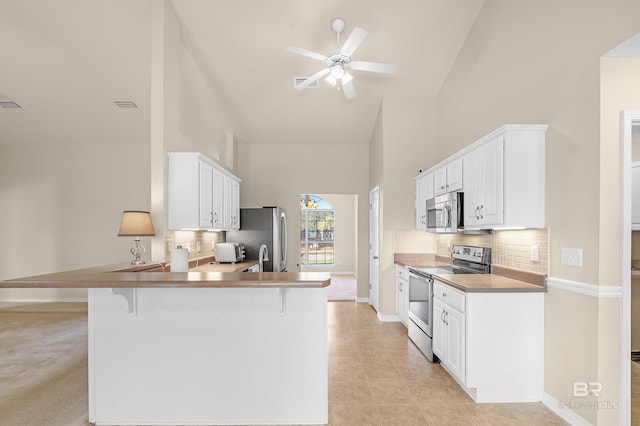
x,y
342,288
43,364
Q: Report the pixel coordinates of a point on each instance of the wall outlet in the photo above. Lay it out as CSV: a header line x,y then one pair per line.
x,y
535,254
571,257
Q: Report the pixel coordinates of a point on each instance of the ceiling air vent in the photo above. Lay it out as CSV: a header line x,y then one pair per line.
x,y
125,104
298,80
9,104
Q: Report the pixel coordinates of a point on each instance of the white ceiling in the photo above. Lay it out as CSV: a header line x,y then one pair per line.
x,y
65,62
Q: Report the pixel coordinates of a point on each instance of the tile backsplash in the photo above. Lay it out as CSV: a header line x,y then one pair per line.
x,y
207,240
511,249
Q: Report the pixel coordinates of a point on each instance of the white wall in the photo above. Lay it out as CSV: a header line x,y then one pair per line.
x,y
539,62
60,209
276,174
61,203
402,144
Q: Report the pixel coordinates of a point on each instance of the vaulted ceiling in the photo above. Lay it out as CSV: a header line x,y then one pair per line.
x,y
66,61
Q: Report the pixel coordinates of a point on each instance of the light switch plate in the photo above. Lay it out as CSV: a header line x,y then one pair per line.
x,y
571,257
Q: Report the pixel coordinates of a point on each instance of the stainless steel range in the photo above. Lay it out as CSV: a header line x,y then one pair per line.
x,y
466,260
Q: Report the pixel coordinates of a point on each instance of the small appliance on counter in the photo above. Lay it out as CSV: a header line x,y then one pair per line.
x,y
229,252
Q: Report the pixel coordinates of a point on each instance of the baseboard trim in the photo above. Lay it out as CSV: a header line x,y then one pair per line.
x,y
585,288
388,318
563,411
362,300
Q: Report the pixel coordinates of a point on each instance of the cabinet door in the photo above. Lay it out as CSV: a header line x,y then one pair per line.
x,y
218,199
455,343
440,181
483,177
492,181
205,198
424,192
402,296
471,178
235,204
439,330
454,175
227,216
231,216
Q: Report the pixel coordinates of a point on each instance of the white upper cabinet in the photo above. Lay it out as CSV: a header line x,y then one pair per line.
x,y
231,203
448,178
504,179
483,200
424,191
202,194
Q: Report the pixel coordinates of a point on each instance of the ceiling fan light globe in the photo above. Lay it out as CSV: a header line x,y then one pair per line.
x,y
332,81
337,72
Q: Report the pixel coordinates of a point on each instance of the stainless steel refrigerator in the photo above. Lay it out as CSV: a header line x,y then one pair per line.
x,y
258,226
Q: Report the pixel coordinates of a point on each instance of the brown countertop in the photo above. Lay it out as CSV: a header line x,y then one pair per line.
x,y
224,267
151,275
502,279
420,259
488,283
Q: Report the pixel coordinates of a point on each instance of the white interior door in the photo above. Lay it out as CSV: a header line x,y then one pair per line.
x,y
374,241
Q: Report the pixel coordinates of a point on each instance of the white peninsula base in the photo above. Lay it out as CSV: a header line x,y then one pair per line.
x,y
208,356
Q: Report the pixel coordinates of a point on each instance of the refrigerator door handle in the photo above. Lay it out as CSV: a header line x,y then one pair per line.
x,y
283,245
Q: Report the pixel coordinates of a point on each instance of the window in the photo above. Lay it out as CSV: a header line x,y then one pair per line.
x,y
316,231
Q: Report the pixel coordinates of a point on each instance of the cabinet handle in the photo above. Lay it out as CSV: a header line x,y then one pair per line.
x,y
444,294
477,215
442,316
481,213
446,316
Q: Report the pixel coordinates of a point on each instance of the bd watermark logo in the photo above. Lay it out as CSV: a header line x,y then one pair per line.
x,y
587,389
583,389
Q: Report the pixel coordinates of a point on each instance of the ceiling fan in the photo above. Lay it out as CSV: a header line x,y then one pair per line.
x,y
339,60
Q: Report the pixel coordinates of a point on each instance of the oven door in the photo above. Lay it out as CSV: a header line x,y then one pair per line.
x,y
420,302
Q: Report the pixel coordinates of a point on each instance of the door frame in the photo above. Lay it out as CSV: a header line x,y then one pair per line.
x,y
373,271
628,119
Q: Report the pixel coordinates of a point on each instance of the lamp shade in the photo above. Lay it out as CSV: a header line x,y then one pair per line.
x,y
136,224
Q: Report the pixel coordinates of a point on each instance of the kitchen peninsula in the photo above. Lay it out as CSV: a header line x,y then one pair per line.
x,y
202,347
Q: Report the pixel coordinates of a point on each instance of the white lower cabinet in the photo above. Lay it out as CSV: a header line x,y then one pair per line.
x,y
449,330
402,294
491,343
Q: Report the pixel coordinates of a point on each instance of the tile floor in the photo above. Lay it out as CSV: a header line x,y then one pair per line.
x,y
378,377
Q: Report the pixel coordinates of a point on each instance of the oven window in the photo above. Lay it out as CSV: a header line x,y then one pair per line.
x,y
419,299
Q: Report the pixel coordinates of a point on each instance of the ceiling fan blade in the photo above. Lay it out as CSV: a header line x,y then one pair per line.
x,y
307,53
373,67
349,90
356,37
313,78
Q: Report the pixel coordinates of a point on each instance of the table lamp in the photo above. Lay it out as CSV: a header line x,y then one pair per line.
x,y
136,224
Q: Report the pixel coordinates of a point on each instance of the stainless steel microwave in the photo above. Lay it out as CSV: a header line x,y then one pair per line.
x,y
445,213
